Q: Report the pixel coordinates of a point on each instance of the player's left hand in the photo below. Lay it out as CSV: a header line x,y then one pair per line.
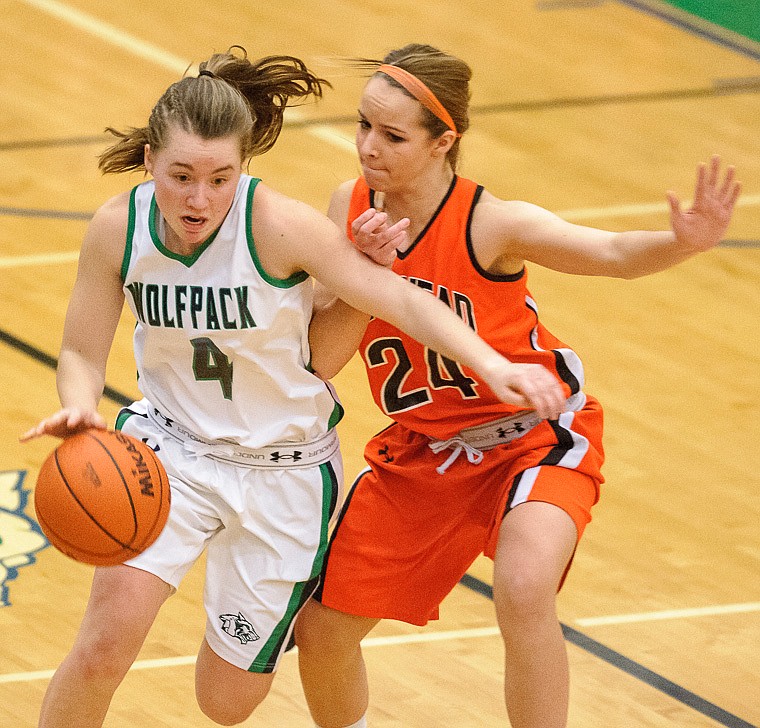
x,y
703,225
378,240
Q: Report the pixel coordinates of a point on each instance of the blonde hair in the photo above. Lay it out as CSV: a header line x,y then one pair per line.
x,y
230,96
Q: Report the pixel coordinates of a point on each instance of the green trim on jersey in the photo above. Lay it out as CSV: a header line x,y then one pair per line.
x,y
186,260
303,589
130,232
336,416
293,280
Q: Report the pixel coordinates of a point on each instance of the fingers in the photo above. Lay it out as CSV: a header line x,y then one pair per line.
x,y
376,239
674,202
535,387
65,422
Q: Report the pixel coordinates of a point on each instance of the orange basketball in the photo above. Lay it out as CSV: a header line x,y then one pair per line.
x,y
102,497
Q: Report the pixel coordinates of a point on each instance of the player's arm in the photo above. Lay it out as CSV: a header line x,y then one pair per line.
x,y
336,329
92,316
510,232
315,245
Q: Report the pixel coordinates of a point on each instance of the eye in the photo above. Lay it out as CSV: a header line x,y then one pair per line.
x,y
219,181
363,123
181,177
395,138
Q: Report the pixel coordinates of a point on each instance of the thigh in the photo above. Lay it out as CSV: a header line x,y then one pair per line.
x,y
321,628
265,563
407,533
123,596
535,545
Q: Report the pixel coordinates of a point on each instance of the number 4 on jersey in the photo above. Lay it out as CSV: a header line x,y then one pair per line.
x,y
210,363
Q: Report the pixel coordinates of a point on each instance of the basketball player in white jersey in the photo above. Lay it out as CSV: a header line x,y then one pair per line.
x,y
216,268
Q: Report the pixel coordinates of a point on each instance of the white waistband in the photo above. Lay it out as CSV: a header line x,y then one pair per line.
x,y
473,440
276,456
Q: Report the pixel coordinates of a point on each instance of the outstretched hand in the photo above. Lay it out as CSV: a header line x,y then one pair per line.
x,y
67,421
702,226
378,240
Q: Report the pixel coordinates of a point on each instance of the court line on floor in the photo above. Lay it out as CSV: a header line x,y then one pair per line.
x,y
712,611
573,636
574,215
369,642
630,667
698,26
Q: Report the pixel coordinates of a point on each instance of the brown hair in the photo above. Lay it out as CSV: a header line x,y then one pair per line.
x,y
230,96
447,76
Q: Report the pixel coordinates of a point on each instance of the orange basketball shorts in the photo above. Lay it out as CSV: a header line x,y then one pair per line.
x,y
408,534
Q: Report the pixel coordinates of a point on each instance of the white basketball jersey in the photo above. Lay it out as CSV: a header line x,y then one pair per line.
x,y
221,346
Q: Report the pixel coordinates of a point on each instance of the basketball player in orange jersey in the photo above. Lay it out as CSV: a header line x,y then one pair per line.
x,y
460,473
215,266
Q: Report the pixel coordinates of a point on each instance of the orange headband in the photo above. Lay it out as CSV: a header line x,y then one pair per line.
x,y
420,92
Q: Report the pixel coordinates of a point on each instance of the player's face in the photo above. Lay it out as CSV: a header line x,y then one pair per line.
x,y
395,150
195,181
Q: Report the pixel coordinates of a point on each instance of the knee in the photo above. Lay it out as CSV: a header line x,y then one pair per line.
x,y
224,711
102,659
523,594
321,630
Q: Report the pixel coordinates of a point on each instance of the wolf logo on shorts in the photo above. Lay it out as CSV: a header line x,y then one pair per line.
x,y
238,626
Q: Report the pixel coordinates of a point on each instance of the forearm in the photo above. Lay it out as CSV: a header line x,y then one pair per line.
x,y
640,253
335,332
80,383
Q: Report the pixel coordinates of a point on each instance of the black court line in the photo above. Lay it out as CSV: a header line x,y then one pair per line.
x,y
698,26
720,87
632,668
49,214
50,361
571,635
63,215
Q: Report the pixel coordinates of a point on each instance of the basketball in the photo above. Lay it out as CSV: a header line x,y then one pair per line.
x,y
102,497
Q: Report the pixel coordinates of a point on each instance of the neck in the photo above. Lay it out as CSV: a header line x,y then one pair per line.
x,y
419,201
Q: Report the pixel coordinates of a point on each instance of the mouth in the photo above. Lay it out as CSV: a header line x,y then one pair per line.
x,y
193,222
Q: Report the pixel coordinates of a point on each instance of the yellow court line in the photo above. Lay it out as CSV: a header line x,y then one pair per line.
x,y
576,215
590,213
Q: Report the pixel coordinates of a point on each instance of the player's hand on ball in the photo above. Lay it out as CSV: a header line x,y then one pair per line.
x,y
67,421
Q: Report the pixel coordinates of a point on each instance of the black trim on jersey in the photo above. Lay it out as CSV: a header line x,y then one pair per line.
x,y
495,277
564,372
554,456
564,444
432,219
317,595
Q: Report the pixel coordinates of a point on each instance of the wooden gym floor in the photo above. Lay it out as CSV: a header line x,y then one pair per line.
x,y
591,108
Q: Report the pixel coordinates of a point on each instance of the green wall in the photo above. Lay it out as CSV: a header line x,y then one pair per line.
x,y
741,16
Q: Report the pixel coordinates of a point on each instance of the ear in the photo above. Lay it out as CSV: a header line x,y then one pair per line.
x,y
444,142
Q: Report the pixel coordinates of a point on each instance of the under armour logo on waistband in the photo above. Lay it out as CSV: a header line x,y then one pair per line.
x,y
295,456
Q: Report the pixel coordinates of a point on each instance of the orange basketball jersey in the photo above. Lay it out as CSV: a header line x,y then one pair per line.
x,y
419,388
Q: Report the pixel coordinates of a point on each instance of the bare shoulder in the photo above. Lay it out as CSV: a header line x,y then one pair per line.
x,y
276,215
503,216
107,232
287,232
498,229
340,202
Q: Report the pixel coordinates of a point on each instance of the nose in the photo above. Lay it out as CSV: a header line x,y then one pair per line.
x,y
197,197
366,143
